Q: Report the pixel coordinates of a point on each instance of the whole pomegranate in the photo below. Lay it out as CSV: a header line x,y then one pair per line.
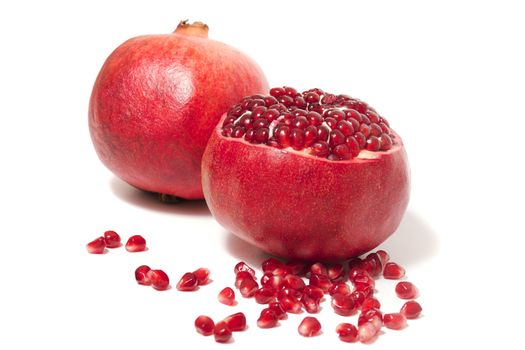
x,y
313,176
156,101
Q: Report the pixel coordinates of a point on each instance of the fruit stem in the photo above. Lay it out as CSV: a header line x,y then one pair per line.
x,y
168,198
192,29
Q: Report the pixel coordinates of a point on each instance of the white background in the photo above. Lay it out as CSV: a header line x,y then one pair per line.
x,y
449,76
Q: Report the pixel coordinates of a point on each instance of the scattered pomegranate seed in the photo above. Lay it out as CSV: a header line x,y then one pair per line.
x,y
159,279
227,296
248,287
241,276
406,290
202,274
236,322
112,239
188,282
343,305
347,332
267,319
204,325
335,272
135,244
318,269
290,304
271,280
394,321
279,311
370,315
270,264
309,327
370,303
296,267
96,246
242,266
367,332
393,271
221,332
265,295
411,309
321,281
141,275
311,306
340,288
293,282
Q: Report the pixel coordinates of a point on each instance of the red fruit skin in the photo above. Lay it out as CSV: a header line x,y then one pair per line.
x,y
156,101
304,207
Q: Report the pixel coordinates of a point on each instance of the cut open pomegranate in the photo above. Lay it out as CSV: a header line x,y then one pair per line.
x,y
336,177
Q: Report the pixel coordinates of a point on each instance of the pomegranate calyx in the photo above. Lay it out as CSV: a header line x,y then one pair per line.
x,y
199,29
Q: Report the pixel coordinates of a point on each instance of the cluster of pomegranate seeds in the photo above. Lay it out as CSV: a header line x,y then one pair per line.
x,y
222,330
336,127
158,279
111,239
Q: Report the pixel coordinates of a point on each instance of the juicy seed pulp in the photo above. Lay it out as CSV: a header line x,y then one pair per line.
x,y
335,127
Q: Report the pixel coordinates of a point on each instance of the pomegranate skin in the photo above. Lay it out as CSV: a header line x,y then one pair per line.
x,y
156,101
298,206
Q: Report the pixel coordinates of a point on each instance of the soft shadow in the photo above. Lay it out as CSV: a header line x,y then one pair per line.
x,y
150,201
413,242
244,251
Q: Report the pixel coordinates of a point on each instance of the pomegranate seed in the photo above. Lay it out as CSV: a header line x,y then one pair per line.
x,y
270,264
242,266
367,332
383,256
96,246
347,332
267,319
271,280
135,244
277,92
141,275
339,288
281,271
265,295
411,309
406,290
248,287
363,279
373,144
393,271
241,276
309,327
311,97
370,315
290,304
372,264
227,296
188,282
204,325
278,309
221,332
370,303
310,305
293,282
358,297
290,91
291,292
321,281
320,149
236,322
343,305
202,274
375,130
112,239
313,292
386,142
394,321
159,279
335,272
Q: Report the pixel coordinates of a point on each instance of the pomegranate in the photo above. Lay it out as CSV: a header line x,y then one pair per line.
x,y
156,101
311,176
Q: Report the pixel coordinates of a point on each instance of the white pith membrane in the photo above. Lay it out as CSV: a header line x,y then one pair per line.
x,y
353,110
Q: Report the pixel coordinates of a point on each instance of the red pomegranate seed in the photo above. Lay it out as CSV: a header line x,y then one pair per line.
x,y
406,290
221,332
236,322
394,321
321,281
159,279
347,332
370,315
370,303
203,276
227,296
296,267
278,309
96,246
270,264
383,256
393,271
271,280
242,266
241,276
363,279
289,304
335,272
343,305
204,325
112,239
340,288
281,271
311,305
372,264
317,269
309,327
248,287
141,275
267,319
411,309
135,244
358,297
188,282
313,292
373,144
265,295
386,142
293,282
